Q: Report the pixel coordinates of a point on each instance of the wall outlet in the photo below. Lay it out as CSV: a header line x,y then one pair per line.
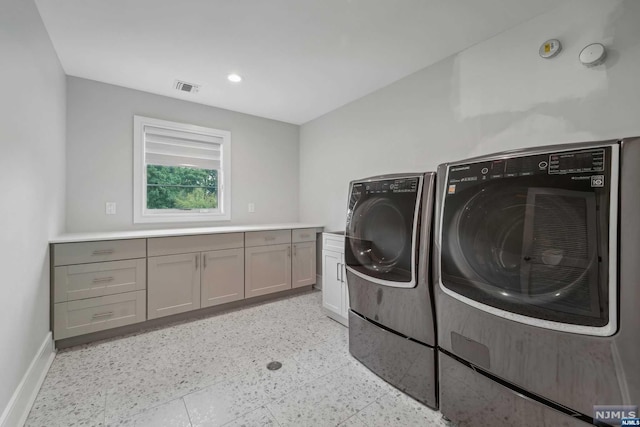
x,y
110,208
252,207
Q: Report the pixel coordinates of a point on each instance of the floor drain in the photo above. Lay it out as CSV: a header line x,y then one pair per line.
x,y
274,366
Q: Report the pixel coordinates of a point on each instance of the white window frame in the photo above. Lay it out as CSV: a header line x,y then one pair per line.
x,y
140,212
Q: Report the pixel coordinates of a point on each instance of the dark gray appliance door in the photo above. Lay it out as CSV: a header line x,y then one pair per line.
x,y
408,311
380,236
527,238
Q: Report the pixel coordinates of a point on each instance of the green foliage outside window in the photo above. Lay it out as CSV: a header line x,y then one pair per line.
x,y
175,187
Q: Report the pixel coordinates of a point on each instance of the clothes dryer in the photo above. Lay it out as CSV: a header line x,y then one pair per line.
x,y
536,284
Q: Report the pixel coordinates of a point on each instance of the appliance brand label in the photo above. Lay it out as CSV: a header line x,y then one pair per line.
x,y
615,414
460,168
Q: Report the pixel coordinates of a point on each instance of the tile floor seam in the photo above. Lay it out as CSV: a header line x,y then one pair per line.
x,y
272,416
104,411
187,411
366,406
357,414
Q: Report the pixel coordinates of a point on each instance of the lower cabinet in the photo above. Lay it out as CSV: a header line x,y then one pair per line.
x,y
222,278
303,264
185,282
279,260
107,284
267,269
97,314
335,293
173,284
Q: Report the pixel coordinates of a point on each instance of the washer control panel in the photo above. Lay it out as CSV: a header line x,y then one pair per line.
x,y
403,185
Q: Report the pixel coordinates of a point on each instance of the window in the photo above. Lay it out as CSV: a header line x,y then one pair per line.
x,y
181,172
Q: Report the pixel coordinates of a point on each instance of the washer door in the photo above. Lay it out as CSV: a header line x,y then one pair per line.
x,y
530,242
380,234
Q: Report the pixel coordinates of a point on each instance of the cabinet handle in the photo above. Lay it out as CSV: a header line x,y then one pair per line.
x,y
338,272
102,279
270,238
295,251
204,262
342,272
304,236
197,261
102,252
289,251
99,315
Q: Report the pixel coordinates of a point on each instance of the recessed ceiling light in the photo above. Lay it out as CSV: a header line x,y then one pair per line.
x,y
234,78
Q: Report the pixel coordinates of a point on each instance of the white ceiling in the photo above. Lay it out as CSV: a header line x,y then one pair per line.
x,y
299,58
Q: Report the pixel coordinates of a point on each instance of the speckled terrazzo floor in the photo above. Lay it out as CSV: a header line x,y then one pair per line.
x,y
212,372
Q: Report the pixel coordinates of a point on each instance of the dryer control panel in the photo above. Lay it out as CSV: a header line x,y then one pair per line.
x,y
579,164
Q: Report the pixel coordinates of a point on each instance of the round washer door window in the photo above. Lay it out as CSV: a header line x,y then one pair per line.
x,y
378,234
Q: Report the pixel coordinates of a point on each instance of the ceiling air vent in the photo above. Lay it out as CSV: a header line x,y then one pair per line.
x,y
186,87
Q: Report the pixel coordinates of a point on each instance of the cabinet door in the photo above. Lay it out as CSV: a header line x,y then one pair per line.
x,y
222,277
173,284
267,269
332,292
303,269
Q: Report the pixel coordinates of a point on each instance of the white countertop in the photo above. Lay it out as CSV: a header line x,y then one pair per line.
x,y
167,232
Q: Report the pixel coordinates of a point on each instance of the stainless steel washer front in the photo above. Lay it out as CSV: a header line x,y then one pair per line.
x,y
387,252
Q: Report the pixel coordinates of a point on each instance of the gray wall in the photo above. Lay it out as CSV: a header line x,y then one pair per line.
x,y
32,164
264,159
494,96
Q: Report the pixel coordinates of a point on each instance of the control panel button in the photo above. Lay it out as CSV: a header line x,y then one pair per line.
x,y
543,165
484,171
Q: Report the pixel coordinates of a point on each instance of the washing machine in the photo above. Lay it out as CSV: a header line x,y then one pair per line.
x,y
387,256
536,285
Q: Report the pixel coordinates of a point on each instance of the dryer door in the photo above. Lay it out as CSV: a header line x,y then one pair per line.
x,y
528,238
381,230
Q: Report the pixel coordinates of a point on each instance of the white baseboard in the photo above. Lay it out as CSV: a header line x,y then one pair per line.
x,y
17,410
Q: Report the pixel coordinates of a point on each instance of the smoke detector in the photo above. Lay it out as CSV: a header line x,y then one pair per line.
x,y
593,55
186,87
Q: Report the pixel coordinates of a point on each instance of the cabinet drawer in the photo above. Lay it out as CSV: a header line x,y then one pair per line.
x,y
333,242
97,314
263,238
160,246
107,250
73,282
303,235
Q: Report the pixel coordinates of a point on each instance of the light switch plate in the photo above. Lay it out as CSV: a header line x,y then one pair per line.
x,y
110,208
252,207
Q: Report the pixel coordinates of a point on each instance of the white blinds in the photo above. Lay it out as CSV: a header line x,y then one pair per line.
x,y
166,147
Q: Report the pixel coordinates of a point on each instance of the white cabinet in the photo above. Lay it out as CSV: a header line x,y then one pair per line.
x,y
335,296
174,284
